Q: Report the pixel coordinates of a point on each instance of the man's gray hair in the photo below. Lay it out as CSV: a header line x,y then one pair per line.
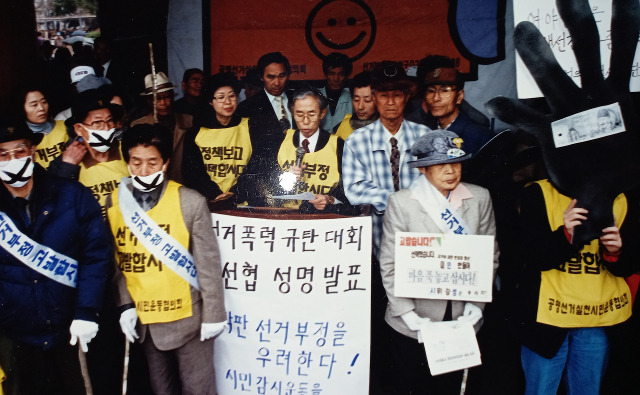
x,y
301,93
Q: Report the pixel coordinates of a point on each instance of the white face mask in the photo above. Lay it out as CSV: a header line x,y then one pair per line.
x,y
17,172
100,140
148,183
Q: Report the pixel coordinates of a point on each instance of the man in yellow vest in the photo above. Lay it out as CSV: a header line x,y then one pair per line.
x,y
364,106
94,157
168,280
318,172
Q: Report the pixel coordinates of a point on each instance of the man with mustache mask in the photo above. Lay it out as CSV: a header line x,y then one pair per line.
x,y
54,264
94,157
172,299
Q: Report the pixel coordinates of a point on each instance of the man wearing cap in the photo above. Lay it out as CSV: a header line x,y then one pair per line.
x,y
94,157
175,121
374,165
54,265
364,107
173,300
431,204
77,74
366,165
417,110
443,96
269,118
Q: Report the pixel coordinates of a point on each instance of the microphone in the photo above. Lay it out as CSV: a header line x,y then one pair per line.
x,y
300,151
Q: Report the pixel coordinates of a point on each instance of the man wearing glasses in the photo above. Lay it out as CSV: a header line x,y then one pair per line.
x,y
443,97
94,157
55,257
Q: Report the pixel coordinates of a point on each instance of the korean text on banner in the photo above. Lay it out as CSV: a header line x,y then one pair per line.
x,y
297,295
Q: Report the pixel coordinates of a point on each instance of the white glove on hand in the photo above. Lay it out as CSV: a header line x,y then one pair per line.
x,y
413,321
128,320
471,314
209,330
84,331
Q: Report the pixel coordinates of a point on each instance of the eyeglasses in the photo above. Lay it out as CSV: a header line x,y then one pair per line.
x,y
444,91
221,99
17,153
97,125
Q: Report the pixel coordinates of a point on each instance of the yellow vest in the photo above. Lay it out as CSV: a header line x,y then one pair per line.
x,y
225,152
103,178
345,129
159,293
583,293
52,144
321,174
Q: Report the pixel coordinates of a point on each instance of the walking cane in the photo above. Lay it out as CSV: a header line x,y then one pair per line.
x,y
155,84
85,370
125,373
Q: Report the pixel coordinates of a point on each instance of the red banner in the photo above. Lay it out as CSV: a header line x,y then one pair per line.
x,y
305,31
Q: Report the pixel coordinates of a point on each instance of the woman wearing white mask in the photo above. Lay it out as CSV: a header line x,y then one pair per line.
x,y
94,157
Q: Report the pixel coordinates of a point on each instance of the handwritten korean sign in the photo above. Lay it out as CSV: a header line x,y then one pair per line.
x,y
297,295
544,15
444,266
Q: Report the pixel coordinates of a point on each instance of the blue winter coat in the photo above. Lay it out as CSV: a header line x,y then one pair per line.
x,y
67,218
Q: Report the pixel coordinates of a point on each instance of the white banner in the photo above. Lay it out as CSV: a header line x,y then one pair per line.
x,y
297,295
544,14
444,266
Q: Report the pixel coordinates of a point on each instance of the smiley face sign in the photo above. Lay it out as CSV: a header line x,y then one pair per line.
x,y
345,26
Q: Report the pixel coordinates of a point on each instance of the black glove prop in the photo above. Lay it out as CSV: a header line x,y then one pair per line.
x,y
594,172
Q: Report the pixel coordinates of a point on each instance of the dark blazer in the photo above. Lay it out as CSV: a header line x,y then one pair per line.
x,y
267,134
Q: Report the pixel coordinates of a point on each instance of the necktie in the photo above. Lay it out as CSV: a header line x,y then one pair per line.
x,y
395,163
284,120
305,145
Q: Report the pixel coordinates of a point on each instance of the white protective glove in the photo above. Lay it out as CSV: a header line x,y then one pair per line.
x,y
209,330
128,320
84,331
471,314
413,321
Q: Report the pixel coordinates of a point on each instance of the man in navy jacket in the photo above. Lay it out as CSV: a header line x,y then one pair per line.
x,y
55,258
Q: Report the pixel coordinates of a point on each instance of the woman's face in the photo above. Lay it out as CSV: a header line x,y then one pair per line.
x,y
444,177
36,107
225,101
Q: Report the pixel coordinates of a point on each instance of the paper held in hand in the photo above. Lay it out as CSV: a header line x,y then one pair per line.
x,y
444,266
450,346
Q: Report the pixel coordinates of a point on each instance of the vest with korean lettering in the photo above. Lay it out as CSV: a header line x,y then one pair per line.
x,y
582,293
345,129
321,174
159,293
103,178
225,152
52,144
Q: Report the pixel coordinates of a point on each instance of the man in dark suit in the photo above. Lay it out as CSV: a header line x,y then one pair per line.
x,y
269,118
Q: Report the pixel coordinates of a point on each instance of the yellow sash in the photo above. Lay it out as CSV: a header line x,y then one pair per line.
x,y
345,129
159,293
321,173
52,145
103,178
582,293
225,152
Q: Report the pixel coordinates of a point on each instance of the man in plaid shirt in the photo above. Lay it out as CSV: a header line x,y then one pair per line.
x,y
366,168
